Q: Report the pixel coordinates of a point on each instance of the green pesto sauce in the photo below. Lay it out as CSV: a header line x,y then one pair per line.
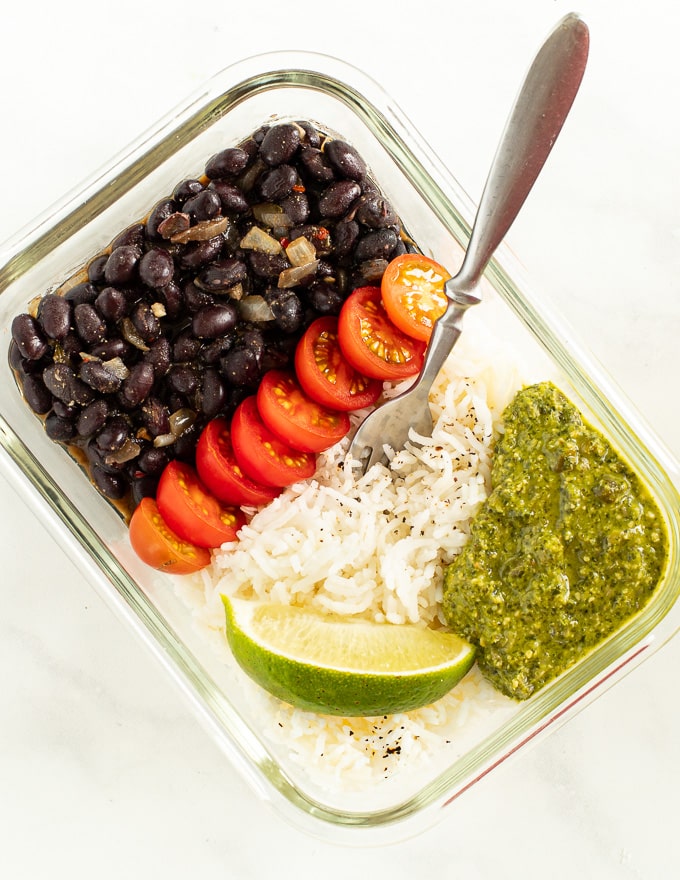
x,y
567,547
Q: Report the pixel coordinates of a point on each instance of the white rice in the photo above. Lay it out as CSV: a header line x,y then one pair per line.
x,y
376,547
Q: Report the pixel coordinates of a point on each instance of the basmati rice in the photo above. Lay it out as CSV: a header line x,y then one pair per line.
x,y
374,546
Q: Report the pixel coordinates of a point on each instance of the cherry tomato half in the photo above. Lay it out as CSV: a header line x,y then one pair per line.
x,y
192,511
217,467
158,546
372,343
413,294
294,417
260,453
325,374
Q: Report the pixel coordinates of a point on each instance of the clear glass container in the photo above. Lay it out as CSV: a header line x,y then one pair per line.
x,y
437,214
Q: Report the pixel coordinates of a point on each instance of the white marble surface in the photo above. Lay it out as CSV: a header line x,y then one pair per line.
x,y
103,770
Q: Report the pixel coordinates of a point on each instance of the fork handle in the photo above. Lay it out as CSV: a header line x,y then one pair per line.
x,y
535,121
540,109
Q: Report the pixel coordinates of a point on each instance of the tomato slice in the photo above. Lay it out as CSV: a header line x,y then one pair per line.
x,y
413,294
192,511
259,452
325,374
158,546
217,467
294,417
372,343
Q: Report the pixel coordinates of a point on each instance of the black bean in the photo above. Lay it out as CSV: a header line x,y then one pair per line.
x,y
71,346
325,298
241,366
280,143
222,275
197,253
338,197
317,165
92,418
311,136
67,411
204,205
159,356
212,321
369,272
145,321
54,315
194,298
376,245
212,350
95,270
152,460
213,395
156,268
231,197
318,235
296,207
346,159
113,434
186,189
90,325
227,163
185,347
112,304
61,380
345,235
267,265
29,337
287,310
375,211
58,428
121,265
156,416
137,385
183,378
133,236
278,183
143,487
99,377
85,292
162,210
172,299
35,391
114,486
112,348
173,224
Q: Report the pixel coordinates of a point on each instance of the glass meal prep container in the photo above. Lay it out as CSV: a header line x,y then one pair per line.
x,y
436,214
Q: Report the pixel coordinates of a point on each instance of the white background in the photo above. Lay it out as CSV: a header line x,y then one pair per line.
x,y
103,770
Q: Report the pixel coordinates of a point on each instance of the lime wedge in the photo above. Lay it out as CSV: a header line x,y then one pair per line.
x,y
343,665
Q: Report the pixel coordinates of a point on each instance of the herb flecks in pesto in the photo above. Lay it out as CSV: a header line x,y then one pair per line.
x,y
568,546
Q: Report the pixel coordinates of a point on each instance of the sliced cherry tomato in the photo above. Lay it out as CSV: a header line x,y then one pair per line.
x,y
158,546
325,374
260,453
372,343
192,511
294,417
219,470
413,294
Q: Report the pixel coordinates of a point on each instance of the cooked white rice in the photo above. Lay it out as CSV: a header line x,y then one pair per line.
x,y
377,547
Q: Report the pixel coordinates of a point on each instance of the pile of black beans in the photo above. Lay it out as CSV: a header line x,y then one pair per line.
x,y
177,322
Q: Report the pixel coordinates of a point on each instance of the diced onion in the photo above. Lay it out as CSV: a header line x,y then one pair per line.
x,y
181,420
131,335
202,231
301,251
116,367
255,308
297,274
257,239
127,452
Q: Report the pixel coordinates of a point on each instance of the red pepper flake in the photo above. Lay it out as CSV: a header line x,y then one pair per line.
x,y
298,188
321,233
284,242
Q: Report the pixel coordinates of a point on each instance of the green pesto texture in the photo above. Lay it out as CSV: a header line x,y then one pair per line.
x,y
568,546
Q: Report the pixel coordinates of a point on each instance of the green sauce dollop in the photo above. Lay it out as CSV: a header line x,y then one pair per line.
x,y
567,547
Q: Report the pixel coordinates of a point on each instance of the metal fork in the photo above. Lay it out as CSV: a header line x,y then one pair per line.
x,y
539,112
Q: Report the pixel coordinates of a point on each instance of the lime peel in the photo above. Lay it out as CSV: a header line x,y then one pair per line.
x,y
339,665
